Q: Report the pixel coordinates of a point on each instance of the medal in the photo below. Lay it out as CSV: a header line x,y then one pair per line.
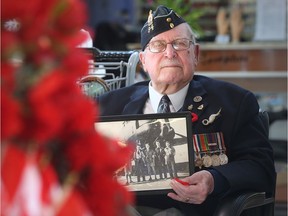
x,y
223,158
210,144
198,161
207,162
215,160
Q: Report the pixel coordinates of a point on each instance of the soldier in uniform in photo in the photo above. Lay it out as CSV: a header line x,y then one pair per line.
x,y
139,159
170,159
160,165
128,172
150,161
232,149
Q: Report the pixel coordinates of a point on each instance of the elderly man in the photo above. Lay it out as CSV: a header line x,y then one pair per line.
x,y
239,157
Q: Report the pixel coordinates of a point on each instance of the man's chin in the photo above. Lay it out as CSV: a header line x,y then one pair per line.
x,y
170,78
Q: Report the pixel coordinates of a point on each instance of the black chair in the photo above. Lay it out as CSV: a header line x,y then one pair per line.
x,y
249,203
279,144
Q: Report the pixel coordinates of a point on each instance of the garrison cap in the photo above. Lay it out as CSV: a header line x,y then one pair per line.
x,y
161,20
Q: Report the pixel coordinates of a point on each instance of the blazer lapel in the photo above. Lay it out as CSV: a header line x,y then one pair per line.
x,y
137,102
195,100
139,98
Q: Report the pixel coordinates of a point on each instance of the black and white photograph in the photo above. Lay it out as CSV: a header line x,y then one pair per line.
x,y
163,148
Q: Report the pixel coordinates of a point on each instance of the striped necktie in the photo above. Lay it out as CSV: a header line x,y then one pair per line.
x,y
164,105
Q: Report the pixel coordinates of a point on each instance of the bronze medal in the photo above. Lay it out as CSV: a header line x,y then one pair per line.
x,y
198,161
215,160
223,159
207,162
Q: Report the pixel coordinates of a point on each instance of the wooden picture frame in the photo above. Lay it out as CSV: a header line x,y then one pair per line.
x,y
142,174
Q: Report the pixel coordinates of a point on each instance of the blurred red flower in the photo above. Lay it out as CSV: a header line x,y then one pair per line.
x,y
48,135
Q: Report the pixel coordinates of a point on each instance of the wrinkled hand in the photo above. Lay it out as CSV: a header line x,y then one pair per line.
x,y
201,185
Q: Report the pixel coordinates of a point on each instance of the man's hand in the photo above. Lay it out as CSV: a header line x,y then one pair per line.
x,y
201,184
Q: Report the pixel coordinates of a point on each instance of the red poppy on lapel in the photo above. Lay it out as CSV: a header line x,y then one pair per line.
x,y
194,117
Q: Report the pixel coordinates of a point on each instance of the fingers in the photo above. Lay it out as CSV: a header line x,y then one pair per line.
x,y
181,198
184,193
200,185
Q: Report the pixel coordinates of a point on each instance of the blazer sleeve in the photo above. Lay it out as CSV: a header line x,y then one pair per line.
x,y
251,162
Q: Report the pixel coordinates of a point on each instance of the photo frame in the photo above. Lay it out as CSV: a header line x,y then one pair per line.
x,y
163,148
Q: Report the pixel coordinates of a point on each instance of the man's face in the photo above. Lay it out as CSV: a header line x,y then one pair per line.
x,y
171,67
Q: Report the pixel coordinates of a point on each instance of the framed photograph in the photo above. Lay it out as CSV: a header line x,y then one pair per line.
x,y
163,148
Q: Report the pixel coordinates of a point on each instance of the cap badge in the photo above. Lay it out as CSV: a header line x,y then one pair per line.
x,y
150,22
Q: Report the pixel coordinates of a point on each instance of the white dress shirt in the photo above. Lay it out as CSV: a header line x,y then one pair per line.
x,y
177,100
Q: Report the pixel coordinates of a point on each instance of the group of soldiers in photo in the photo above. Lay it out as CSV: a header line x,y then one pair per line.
x,y
152,162
153,158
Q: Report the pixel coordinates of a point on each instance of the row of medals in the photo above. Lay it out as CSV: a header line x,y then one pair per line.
x,y
208,160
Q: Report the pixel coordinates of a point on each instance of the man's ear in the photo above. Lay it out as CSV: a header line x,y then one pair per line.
x,y
196,53
142,60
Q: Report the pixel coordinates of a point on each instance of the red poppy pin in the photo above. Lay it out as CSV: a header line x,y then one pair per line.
x,y
194,117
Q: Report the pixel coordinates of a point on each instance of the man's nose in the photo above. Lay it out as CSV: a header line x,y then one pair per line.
x,y
170,52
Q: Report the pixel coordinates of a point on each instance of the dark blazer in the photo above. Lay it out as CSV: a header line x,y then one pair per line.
x,y
251,163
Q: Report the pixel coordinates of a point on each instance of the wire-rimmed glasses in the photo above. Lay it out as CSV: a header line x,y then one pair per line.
x,y
178,44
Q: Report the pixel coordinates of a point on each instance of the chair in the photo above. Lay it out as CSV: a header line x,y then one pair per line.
x,y
110,70
249,203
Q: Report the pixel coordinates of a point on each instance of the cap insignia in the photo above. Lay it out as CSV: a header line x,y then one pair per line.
x,y
150,22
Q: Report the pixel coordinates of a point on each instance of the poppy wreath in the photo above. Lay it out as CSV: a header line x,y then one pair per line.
x,y
53,160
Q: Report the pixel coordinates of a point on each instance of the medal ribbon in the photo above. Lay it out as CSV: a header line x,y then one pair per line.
x,y
200,143
220,141
209,142
212,142
204,142
196,144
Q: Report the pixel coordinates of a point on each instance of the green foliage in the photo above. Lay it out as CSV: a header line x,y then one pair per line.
x,y
184,9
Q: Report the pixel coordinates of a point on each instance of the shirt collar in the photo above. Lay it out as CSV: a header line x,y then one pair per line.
x,y
177,99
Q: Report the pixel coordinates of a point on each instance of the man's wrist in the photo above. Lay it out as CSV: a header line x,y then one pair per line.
x,y
221,184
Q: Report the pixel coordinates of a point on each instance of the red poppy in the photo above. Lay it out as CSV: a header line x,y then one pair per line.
x,y
194,117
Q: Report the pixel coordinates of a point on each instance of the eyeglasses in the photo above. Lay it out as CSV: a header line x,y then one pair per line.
x,y
178,44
